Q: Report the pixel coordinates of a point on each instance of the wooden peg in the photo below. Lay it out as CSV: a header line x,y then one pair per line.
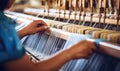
x,y
105,2
64,5
80,12
84,10
70,7
75,10
91,6
118,13
58,7
48,7
100,15
44,8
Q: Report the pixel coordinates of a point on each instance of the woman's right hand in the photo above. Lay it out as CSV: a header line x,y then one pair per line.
x,y
82,49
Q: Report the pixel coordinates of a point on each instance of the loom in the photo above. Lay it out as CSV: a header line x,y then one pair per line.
x,y
71,25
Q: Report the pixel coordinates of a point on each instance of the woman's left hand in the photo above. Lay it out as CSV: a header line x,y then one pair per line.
x,y
34,27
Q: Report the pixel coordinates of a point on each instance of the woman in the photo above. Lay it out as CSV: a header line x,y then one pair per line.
x,y
13,57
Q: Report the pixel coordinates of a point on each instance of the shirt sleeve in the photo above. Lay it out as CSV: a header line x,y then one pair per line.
x,y
10,45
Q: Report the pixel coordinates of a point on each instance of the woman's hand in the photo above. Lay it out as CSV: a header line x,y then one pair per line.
x,y
32,28
82,49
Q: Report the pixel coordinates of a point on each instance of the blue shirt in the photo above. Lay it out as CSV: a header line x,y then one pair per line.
x,y
10,46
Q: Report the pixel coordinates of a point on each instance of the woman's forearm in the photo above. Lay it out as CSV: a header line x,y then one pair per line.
x,y
52,64
21,33
55,62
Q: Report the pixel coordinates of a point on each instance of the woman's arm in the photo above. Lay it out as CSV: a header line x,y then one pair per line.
x,y
83,49
51,64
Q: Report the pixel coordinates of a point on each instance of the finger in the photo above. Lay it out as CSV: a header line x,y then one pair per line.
x,y
90,52
86,56
38,23
48,31
92,45
44,23
42,28
41,22
89,55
